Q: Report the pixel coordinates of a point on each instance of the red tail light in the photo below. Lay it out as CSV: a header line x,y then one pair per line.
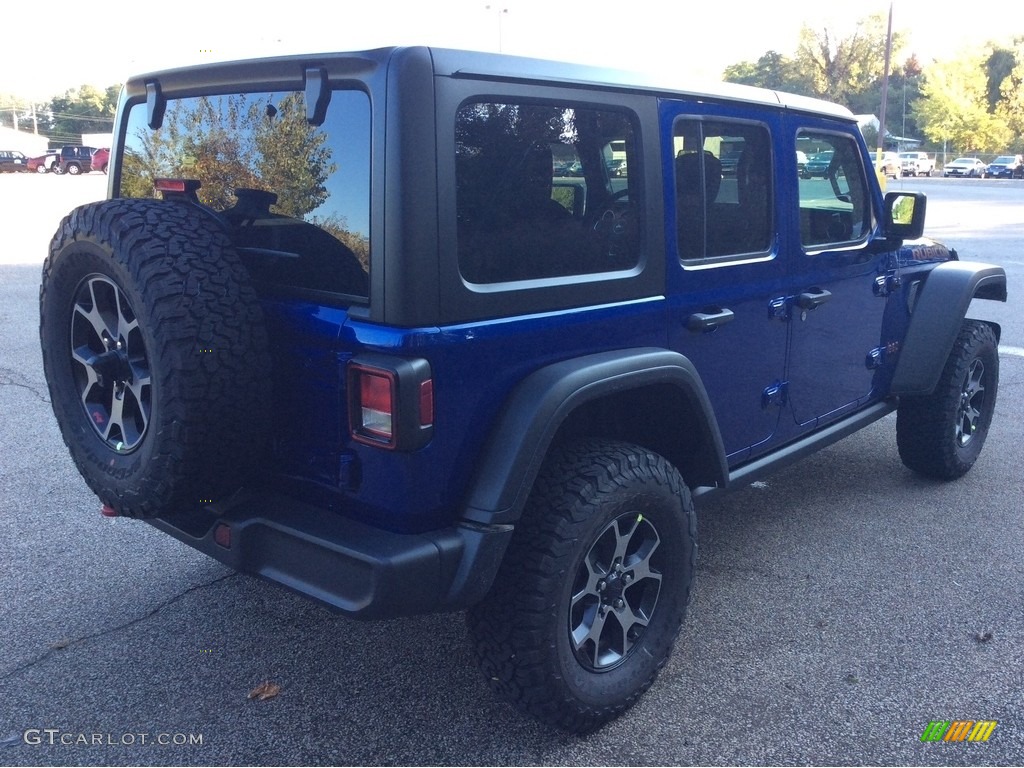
x,y
391,402
376,403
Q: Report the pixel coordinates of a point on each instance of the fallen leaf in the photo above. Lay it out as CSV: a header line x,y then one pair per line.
x,y
265,690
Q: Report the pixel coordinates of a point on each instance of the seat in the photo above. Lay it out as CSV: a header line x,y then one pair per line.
x,y
753,191
510,226
698,180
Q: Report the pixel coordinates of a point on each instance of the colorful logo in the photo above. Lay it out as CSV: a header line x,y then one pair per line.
x,y
959,730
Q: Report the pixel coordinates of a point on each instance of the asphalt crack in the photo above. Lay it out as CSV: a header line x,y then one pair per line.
x,y
8,378
64,644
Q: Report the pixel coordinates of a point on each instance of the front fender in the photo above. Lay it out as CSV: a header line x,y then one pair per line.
x,y
537,407
937,314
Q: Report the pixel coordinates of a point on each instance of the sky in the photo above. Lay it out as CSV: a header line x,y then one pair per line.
x,y
135,36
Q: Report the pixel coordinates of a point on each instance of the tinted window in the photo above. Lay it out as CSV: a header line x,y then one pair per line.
x,y
834,207
297,196
544,191
723,183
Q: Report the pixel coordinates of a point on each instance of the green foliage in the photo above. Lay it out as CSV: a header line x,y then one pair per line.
x,y
233,142
827,65
85,109
870,134
903,210
292,157
954,107
998,66
974,103
772,70
839,67
1010,106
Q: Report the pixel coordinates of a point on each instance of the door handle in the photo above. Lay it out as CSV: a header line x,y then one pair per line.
x,y
705,322
812,298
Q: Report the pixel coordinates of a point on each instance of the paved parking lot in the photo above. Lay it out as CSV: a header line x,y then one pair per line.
x,y
840,607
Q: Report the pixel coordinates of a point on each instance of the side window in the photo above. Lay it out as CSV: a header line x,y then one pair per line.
x,y
723,182
542,191
835,207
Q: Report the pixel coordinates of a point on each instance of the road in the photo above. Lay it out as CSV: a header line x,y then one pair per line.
x,y
841,605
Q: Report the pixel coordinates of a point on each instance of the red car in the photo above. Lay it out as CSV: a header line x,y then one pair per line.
x,y
100,158
44,163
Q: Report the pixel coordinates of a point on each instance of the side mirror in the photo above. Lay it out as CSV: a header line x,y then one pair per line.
x,y
904,215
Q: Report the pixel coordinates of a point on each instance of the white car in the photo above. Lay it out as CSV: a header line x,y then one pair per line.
x,y
965,166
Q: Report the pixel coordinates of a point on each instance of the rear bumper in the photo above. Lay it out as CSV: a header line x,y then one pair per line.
x,y
362,571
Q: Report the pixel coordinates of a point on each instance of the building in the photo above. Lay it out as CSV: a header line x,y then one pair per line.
x,y
32,144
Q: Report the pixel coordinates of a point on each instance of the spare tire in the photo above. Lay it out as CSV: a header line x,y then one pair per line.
x,y
155,353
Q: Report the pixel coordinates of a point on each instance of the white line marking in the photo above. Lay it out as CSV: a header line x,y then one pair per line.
x,y
1015,351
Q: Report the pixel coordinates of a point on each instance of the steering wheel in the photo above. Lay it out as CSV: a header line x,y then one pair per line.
x,y
613,210
617,225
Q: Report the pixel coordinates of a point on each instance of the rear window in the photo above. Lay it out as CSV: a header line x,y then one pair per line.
x,y
296,196
545,191
723,183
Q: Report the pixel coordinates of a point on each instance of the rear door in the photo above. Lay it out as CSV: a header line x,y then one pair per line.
x,y
723,265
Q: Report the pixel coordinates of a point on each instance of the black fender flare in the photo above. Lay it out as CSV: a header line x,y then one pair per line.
x,y
537,407
937,314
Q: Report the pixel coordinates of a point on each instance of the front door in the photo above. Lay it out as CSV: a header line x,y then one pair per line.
x,y
839,280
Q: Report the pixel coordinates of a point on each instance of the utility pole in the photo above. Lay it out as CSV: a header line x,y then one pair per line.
x,y
501,12
885,96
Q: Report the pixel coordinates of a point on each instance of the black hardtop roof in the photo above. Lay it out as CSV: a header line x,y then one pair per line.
x,y
458,63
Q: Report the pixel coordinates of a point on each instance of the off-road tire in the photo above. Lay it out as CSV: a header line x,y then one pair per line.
x,y
941,435
590,497
155,354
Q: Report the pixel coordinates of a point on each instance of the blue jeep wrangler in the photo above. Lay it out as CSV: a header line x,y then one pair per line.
x,y
415,330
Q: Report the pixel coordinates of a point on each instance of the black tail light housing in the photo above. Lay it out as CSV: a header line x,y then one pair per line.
x,y
390,402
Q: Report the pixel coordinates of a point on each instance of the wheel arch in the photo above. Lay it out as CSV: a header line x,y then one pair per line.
x,y
937,312
651,397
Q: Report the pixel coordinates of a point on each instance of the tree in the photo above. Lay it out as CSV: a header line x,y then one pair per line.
x,y
85,109
838,68
291,156
954,106
998,66
232,142
1010,106
827,65
772,70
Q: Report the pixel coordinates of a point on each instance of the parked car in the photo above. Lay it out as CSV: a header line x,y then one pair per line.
x,y
1006,167
965,166
916,164
75,160
817,165
509,404
801,161
44,163
890,165
13,161
100,159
